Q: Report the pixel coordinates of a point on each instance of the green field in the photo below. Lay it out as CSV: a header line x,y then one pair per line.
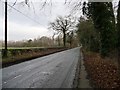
x,y
29,47
21,47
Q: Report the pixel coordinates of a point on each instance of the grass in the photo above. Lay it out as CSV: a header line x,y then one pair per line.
x,y
29,47
19,57
27,55
21,47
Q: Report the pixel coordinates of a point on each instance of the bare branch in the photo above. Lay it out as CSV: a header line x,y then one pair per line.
x,y
14,3
62,24
43,4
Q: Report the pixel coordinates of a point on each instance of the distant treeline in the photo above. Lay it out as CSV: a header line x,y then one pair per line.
x,y
39,42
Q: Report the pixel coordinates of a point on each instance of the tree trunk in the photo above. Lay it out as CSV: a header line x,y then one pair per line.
x,y
64,38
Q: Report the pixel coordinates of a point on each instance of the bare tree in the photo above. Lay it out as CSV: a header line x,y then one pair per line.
x,y
63,25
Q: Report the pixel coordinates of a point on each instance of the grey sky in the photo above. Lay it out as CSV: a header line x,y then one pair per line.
x,y
21,27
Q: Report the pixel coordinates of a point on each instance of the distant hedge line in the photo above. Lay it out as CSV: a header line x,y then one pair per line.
x,y
16,51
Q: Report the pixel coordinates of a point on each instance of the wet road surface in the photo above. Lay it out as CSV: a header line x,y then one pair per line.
x,y
52,71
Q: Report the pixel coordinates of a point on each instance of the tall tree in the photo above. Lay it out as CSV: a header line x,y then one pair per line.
x,y
104,22
118,34
63,24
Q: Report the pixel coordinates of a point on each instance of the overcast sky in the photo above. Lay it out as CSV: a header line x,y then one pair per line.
x,y
21,27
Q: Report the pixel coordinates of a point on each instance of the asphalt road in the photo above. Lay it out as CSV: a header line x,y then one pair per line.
x,y
52,71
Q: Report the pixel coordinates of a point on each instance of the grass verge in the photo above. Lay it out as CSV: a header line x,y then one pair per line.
x,y
27,56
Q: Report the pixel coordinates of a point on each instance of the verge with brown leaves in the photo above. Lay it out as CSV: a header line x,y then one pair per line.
x,y
102,72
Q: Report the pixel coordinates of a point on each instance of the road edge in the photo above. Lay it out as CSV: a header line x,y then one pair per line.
x,y
77,73
81,80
